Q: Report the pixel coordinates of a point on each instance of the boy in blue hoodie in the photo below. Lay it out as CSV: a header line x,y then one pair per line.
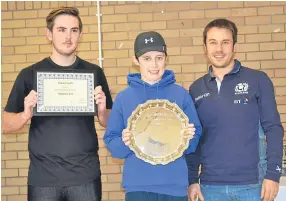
x,y
141,180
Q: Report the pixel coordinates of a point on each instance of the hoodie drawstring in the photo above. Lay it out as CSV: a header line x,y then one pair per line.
x,y
145,93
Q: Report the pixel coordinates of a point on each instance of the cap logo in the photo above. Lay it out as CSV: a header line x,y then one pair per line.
x,y
149,40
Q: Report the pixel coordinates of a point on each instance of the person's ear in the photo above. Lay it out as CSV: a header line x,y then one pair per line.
x,y
205,48
234,47
135,61
49,34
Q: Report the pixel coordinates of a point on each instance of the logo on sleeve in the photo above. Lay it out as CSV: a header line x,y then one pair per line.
x,y
241,88
278,169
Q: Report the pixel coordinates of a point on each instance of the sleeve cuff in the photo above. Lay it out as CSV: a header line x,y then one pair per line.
x,y
273,176
194,180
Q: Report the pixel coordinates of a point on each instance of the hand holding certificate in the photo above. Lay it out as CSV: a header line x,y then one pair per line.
x,y
64,93
100,99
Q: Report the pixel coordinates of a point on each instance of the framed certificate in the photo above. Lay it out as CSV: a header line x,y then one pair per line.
x,y
64,92
158,132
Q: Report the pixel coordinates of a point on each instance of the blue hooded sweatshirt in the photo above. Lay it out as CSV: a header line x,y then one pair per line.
x,y
170,179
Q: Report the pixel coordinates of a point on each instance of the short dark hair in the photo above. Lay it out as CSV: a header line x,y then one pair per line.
x,y
62,11
137,58
221,23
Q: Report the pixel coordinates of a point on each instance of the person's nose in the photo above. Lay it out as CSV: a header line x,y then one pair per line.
x,y
68,35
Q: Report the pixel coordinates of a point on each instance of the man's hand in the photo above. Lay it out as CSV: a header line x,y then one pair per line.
x,y
194,192
100,99
30,102
189,131
126,135
269,190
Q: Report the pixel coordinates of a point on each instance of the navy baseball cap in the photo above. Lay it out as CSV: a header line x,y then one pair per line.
x,y
149,41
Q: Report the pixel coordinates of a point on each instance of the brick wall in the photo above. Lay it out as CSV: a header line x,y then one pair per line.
x,y
261,46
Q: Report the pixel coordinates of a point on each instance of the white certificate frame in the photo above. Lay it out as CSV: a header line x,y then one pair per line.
x,y
42,109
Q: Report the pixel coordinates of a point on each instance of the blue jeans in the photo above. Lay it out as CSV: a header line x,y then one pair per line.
x,y
147,196
249,192
84,192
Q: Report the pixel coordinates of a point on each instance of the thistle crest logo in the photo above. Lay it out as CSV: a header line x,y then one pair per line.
x,y
241,88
